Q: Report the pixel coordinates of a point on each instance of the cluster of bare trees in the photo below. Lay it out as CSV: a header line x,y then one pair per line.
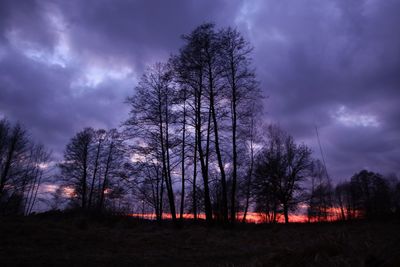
x,y
196,135
91,169
285,176
23,165
194,143
368,195
189,119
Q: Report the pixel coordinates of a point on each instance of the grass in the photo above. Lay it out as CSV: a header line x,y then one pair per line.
x,y
76,241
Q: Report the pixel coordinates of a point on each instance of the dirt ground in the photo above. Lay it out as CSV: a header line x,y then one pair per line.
x,y
44,241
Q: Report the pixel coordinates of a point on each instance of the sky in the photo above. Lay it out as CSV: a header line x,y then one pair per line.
x,y
334,65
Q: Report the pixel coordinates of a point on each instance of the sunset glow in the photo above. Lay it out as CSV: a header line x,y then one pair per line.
x,y
253,217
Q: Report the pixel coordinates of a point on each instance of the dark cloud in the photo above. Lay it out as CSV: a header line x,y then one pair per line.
x,y
334,65
65,65
137,31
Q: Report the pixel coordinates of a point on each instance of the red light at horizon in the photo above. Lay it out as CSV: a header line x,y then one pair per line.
x,y
254,217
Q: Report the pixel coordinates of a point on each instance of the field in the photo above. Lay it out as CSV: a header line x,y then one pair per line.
x,y
75,241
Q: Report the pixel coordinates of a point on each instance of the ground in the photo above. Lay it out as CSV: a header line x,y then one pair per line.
x,y
76,241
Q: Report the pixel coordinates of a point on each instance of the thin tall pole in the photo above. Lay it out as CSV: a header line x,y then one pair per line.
x,y
322,155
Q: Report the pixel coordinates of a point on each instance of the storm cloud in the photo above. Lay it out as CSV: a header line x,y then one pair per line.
x,y
334,65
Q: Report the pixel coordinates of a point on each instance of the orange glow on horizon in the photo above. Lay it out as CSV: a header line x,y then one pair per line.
x,y
255,217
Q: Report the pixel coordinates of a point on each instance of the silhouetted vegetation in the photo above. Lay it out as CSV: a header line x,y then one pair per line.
x,y
195,144
23,165
183,115
368,195
91,169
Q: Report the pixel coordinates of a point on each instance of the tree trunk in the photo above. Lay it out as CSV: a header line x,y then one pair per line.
x,y
161,197
204,170
35,194
286,212
183,158
96,164
194,204
234,150
84,176
217,148
250,174
105,180
170,191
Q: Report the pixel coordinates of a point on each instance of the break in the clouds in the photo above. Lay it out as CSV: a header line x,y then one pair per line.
x,y
335,65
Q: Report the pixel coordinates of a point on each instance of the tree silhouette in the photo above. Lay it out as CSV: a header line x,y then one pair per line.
x,y
281,167
23,165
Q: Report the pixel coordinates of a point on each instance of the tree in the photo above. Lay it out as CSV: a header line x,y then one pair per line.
x,y
182,100
345,201
98,139
75,166
371,194
320,199
192,113
37,171
191,69
242,92
281,168
22,166
150,119
15,145
367,195
112,161
93,167
252,138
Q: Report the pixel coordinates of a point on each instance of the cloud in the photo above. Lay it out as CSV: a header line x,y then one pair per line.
x,y
65,65
333,65
352,119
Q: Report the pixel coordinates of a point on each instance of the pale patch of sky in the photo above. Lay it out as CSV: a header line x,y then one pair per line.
x,y
246,12
43,166
49,188
245,17
93,72
59,55
136,157
355,119
93,75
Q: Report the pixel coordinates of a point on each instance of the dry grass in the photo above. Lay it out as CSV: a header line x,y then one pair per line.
x,y
73,241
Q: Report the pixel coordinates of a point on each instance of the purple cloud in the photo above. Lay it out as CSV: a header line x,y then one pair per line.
x,y
65,65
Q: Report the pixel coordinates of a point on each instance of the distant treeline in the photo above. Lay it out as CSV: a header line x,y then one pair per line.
x,y
195,142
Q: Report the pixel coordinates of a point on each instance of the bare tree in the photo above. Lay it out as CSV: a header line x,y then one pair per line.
x,y
344,199
150,119
98,138
22,166
112,162
37,171
191,67
75,166
252,139
15,146
320,199
241,90
371,194
282,167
